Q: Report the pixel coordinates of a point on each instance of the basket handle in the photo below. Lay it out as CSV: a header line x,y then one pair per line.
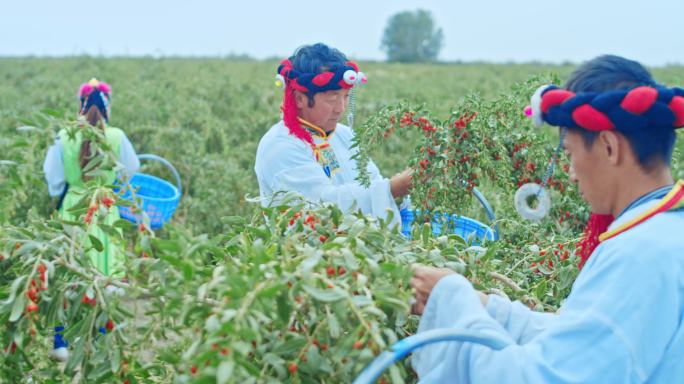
x,y
488,208
149,156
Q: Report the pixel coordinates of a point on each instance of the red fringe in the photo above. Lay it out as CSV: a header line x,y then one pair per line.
x,y
596,225
291,120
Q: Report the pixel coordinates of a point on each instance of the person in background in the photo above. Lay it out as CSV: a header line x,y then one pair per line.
x,y
309,151
64,167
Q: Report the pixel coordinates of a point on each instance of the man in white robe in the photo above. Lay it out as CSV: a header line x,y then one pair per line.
x,y
309,151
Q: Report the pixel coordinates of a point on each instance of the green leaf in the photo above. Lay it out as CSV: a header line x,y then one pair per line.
x,y
361,301
26,128
111,231
53,112
228,314
99,372
224,371
212,323
541,289
310,262
166,245
289,347
273,359
395,375
349,259
115,359
27,121
566,277
283,306
233,220
121,223
333,325
326,296
314,359
92,164
426,233
191,351
13,290
97,244
145,242
374,311
76,356
17,308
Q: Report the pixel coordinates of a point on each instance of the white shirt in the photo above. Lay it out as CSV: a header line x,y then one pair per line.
x,y
286,163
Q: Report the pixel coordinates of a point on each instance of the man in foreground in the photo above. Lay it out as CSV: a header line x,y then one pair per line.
x,y
623,321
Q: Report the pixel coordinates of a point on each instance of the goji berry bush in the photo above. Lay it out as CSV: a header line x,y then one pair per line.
x,y
233,292
489,145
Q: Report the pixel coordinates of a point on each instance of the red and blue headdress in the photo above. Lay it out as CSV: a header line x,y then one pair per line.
x,y
338,77
622,110
97,93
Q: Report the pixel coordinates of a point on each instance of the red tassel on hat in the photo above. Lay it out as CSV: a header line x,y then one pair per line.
x,y
291,120
596,225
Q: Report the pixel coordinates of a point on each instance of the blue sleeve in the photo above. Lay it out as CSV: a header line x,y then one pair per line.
x,y
521,323
602,333
53,167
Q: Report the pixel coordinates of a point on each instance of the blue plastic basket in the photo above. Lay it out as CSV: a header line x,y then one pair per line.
x,y
462,226
159,197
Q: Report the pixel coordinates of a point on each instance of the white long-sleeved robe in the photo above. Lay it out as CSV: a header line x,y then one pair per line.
x,y
286,163
623,322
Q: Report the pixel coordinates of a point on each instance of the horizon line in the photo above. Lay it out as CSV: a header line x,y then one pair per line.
x,y
247,57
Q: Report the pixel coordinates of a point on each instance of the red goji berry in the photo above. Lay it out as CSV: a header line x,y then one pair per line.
x,y
32,295
565,255
107,201
292,368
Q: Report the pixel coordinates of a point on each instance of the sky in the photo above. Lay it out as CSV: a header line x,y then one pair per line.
x,y
550,31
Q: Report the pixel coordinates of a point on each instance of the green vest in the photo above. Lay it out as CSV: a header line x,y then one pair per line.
x,y
110,260
72,147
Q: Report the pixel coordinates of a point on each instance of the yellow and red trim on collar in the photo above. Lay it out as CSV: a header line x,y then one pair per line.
x,y
315,130
673,200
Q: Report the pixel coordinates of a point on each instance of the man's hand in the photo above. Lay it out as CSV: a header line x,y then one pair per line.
x,y
401,183
423,280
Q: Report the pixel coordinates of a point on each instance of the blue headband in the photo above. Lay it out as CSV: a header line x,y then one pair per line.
x,y
339,77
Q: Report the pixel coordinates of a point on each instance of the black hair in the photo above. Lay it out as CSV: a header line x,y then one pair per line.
x,y
316,58
609,72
